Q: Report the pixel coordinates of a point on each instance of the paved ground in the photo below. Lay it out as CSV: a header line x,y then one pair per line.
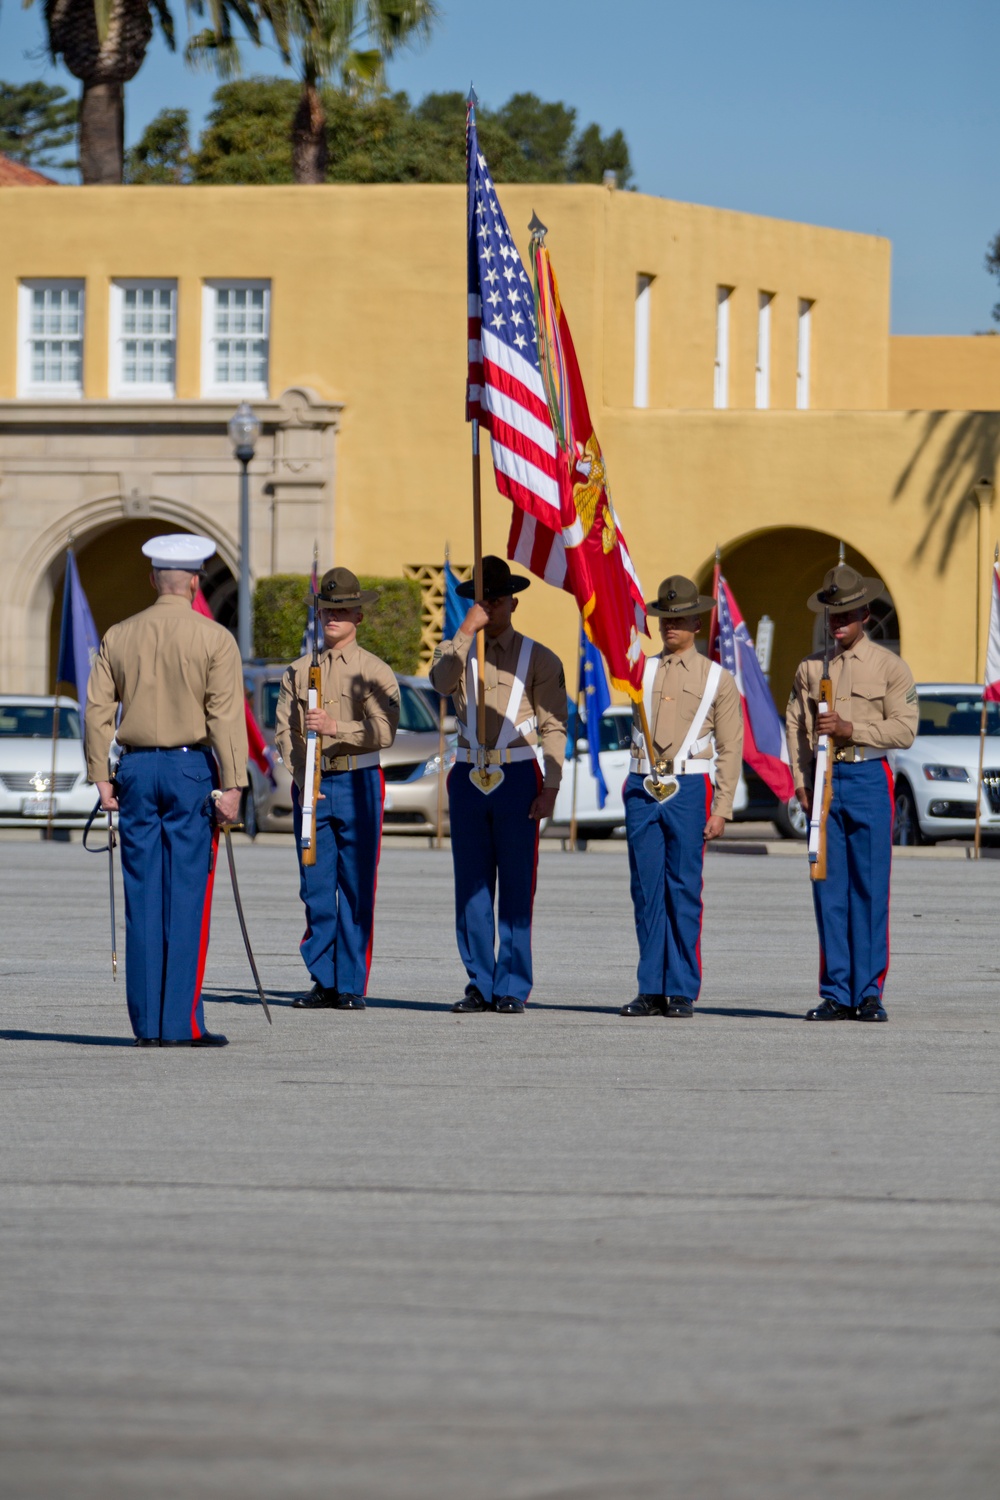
x,y
403,1256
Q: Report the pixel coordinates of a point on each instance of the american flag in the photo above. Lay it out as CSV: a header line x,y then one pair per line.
x,y
505,390
764,745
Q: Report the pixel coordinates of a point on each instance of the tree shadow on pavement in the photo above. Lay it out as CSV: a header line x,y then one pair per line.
x,y
67,1036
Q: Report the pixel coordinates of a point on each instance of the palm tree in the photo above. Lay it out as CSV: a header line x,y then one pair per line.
x,y
104,42
323,37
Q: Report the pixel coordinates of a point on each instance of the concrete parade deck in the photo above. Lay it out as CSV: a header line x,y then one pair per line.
x,y
410,1256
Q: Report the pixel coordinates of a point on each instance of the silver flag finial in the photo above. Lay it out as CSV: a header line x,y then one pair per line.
x,y
472,98
536,228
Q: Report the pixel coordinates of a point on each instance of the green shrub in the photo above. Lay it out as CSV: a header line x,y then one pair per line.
x,y
391,627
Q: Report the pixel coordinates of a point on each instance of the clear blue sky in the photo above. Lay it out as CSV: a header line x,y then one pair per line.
x,y
872,115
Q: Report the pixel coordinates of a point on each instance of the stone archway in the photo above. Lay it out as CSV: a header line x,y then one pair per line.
x,y
773,573
115,578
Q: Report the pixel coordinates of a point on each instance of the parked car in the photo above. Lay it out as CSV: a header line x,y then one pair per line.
x,y
936,777
27,785
409,765
754,800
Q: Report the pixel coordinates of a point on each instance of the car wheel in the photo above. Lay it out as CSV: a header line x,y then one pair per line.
x,y
906,826
791,819
249,814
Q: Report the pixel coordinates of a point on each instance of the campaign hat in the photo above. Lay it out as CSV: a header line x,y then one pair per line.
x,y
180,550
498,581
677,597
845,588
340,587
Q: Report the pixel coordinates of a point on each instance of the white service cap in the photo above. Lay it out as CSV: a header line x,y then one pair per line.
x,y
178,550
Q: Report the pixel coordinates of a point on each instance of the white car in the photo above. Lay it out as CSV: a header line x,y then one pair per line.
x,y
936,777
753,802
26,780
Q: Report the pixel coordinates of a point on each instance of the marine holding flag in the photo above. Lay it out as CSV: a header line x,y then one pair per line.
x,y
525,388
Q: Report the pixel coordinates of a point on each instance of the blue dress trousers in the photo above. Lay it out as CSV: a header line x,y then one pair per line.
x,y
666,856
169,842
852,903
338,891
493,839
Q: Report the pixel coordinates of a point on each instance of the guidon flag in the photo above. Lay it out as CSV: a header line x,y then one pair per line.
x,y
526,390
765,747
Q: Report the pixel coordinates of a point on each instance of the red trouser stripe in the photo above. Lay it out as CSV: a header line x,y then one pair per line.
x,y
709,794
206,915
378,856
891,786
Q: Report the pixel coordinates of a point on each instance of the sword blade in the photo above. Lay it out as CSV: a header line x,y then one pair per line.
x,y
111,883
243,924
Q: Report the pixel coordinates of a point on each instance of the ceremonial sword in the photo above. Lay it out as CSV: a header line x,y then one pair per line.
x,y
227,830
110,846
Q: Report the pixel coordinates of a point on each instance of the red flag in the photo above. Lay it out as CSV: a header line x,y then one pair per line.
x,y
991,690
260,750
730,643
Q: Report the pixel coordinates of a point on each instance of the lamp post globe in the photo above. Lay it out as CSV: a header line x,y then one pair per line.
x,y
244,430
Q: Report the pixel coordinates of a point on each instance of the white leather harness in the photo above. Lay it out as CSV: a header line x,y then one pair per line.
x,y
502,753
687,761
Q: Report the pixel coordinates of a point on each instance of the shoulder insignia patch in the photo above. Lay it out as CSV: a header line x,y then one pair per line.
x,y
562,679
911,696
438,653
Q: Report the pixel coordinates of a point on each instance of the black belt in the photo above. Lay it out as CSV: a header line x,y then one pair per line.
x,y
138,749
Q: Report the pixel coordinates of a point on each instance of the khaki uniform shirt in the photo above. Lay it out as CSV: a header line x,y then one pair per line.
x,y
179,680
544,693
677,691
359,691
872,688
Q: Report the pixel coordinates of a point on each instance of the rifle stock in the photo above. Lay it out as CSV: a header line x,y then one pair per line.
x,y
314,746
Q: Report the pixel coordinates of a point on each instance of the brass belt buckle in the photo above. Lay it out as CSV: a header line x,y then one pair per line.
x,y
483,778
660,784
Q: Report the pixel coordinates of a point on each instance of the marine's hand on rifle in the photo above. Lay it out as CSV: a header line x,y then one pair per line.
x,y
475,620
319,721
831,723
106,792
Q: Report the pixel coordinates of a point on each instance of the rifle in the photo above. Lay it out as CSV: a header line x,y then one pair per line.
x,y
823,788
314,747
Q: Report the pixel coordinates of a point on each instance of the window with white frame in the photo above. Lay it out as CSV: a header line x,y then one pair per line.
x,y
236,318
762,373
50,352
802,355
640,378
143,338
723,297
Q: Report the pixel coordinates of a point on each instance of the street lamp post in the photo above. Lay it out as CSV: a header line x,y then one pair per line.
x,y
982,496
244,430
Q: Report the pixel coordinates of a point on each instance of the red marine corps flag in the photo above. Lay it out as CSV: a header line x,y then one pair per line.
x,y
525,388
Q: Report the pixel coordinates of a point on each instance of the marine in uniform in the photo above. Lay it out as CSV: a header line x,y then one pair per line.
x,y
177,677
357,718
494,836
689,703
874,710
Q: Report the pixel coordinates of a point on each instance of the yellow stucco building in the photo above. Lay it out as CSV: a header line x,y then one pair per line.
x,y
740,370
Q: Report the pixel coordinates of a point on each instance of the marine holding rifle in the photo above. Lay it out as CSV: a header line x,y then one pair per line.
x,y
873,709
355,716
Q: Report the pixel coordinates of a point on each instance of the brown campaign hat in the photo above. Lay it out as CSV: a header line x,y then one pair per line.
x,y
678,596
844,588
341,587
498,581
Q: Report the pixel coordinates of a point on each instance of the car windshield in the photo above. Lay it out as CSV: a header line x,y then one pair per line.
x,y
956,713
414,715
33,721
269,704
615,731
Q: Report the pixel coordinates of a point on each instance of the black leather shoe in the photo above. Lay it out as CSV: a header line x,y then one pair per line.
x,y
831,1011
147,1041
471,1001
207,1039
645,1005
677,1005
872,1009
346,1002
508,1006
318,998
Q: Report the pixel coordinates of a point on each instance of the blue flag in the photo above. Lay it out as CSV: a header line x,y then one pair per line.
x,y
454,607
79,642
596,698
314,626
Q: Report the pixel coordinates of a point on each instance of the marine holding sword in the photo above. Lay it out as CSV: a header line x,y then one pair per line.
x,y
338,833
497,791
178,680
672,808
872,708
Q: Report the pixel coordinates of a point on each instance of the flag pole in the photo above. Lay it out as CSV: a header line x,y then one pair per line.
x,y
982,727
441,774
49,820
580,695
477,574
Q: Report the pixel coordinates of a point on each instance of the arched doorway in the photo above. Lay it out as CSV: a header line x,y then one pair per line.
x,y
115,578
773,573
